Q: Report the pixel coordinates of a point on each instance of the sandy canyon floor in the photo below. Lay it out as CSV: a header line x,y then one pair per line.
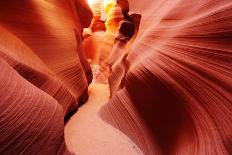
x,y
87,134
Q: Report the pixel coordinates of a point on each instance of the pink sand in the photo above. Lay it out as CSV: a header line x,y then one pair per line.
x,y
87,134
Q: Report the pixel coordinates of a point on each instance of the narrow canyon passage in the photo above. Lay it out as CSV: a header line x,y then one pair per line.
x,y
86,129
87,134
148,77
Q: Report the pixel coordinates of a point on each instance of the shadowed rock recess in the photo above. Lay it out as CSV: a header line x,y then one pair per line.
x,y
116,77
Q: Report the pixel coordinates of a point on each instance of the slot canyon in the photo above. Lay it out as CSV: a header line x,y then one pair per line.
x,y
116,77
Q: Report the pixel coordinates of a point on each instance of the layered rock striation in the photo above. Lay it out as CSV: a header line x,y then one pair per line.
x,y
44,73
171,88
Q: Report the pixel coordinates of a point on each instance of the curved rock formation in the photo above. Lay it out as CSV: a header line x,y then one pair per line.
x,y
47,48
31,120
171,84
171,89
44,73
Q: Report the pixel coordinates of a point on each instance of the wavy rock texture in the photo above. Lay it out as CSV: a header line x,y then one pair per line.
x,y
44,73
38,39
114,17
171,89
31,120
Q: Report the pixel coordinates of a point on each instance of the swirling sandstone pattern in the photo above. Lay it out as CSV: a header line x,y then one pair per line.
x,y
31,120
172,88
45,49
44,74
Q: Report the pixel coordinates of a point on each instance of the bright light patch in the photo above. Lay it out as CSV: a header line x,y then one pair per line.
x,y
90,2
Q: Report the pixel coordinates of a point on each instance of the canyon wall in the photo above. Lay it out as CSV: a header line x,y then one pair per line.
x,y
171,88
44,73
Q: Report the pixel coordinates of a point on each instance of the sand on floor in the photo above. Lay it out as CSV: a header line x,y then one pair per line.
x,y
87,134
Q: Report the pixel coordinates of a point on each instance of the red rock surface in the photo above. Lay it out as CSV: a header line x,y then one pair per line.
x,y
44,73
31,120
171,89
42,41
170,84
